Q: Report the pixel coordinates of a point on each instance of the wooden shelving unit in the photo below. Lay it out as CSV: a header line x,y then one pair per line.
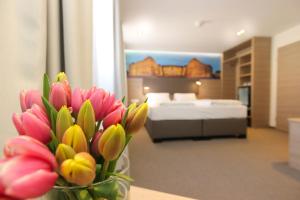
x,y
248,64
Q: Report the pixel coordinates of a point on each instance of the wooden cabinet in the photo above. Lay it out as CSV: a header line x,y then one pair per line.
x,y
248,64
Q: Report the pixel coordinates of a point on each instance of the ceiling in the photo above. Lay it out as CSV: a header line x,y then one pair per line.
x,y
169,25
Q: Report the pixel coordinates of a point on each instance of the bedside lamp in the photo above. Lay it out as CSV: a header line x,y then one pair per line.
x,y
146,89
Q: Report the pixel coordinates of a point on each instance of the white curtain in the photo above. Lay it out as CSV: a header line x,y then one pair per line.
x,y
69,44
109,64
38,36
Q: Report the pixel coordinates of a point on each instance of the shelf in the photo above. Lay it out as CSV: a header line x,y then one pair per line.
x,y
234,58
245,75
244,85
230,59
245,64
245,54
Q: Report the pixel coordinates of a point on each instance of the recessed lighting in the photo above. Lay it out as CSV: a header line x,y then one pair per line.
x,y
241,32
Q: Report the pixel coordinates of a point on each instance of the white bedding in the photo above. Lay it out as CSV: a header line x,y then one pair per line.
x,y
200,109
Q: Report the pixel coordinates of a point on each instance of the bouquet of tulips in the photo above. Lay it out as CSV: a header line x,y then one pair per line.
x,y
67,138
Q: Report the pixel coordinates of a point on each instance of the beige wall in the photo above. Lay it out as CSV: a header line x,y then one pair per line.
x,y
288,96
282,39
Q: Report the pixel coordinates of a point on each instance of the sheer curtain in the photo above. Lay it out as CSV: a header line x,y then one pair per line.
x,y
69,40
38,36
108,60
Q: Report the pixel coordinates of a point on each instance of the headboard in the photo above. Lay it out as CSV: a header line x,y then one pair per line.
x,y
170,84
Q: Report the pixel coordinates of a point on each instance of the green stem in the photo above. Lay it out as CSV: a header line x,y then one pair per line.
x,y
104,169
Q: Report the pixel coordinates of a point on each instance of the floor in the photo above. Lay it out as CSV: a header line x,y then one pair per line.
x,y
220,169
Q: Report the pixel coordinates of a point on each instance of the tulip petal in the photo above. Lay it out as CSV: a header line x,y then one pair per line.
x,y
22,101
25,145
77,100
32,185
39,113
58,95
36,128
17,120
20,166
97,101
81,170
112,118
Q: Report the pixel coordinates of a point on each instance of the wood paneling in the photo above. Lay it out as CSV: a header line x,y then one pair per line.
x,y
261,58
135,89
228,81
288,84
210,89
171,85
249,64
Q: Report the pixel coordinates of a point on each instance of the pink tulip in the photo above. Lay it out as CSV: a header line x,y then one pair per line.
x,y
34,123
95,141
77,100
28,146
103,102
29,98
28,170
60,95
112,118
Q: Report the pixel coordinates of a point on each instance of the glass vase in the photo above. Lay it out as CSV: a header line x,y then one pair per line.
x,y
111,189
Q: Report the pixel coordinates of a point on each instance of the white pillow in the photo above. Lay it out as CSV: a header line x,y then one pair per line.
x,y
184,97
157,98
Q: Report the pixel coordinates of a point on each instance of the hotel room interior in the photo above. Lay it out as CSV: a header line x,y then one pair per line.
x,y
221,79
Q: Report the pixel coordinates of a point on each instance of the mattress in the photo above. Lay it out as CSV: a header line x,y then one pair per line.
x,y
197,110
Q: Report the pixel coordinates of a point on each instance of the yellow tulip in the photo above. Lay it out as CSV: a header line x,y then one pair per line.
x,y
80,170
137,118
112,142
61,76
63,122
75,138
64,152
86,119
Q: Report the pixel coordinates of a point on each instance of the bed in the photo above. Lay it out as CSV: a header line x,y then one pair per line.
x,y
186,117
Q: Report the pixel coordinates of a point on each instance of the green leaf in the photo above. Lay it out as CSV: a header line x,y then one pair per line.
x,y
146,100
51,112
125,118
46,86
53,143
123,100
54,139
122,176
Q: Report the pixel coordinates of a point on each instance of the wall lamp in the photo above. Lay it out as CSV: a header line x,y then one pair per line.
x,y
198,83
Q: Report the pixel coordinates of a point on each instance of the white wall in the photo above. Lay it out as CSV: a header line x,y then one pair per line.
x,y
282,39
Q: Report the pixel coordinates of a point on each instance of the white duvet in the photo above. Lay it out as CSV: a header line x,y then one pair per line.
x,y
199,109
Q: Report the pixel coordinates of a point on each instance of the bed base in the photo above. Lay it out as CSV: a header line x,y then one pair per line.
x,y
196,129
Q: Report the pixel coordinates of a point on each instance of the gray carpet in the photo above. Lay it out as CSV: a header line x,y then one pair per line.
x,y
218,169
